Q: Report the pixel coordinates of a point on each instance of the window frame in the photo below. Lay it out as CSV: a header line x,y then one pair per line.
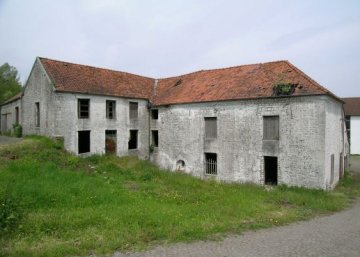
x,y
271,134
133,115
80,105
210,132
111,104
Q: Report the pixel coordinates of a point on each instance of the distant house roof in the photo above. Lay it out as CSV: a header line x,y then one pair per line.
x,y
352,106
13,99
234,83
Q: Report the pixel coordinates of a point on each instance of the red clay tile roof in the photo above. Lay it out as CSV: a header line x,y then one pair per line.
x,y
70,77
12,99
241,82
352,106
234,83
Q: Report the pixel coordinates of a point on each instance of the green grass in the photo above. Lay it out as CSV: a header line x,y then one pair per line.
x,y
55,204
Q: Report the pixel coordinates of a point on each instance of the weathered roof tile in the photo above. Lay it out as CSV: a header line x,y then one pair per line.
x,y
241,82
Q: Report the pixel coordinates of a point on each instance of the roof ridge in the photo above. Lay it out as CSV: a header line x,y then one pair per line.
x,y
300,72
223,68
94,67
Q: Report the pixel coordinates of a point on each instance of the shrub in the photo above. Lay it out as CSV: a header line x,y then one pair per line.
x,y
17,130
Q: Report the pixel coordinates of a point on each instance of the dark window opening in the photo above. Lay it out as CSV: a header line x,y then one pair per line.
x,y
211,163
332,169
133,109
341,166
348,128
210,127
180,165
110,109
178,83
133,139
271,127
155,138
110,141
154,114
16,115
271,170
84,141
37,114
83,108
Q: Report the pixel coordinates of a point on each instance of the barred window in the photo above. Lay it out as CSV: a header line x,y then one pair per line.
x,y
211,163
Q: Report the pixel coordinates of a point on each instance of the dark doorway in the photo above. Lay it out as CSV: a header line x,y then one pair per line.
x,y
271,170
84,141
133,139
110,141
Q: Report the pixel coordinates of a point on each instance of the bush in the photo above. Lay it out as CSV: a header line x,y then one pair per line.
x,y
17,130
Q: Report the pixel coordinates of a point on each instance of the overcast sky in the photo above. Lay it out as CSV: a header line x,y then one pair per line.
x,y
165,38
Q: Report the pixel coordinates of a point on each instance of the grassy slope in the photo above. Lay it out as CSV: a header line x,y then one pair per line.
x,y
74,206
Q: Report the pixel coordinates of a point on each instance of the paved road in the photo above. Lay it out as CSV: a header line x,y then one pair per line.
x,y
7,140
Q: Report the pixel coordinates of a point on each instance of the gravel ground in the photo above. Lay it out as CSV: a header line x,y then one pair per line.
x,y
8,140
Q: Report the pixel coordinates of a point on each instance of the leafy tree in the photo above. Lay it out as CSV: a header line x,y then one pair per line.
x,y
9,82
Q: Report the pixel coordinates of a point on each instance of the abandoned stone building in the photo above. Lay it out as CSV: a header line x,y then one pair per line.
x,y
265,123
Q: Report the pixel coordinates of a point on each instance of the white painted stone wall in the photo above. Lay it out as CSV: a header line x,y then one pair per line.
x,y
355,134
38,88
334,139
310,131
239,144
68,124
8,111
59,117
